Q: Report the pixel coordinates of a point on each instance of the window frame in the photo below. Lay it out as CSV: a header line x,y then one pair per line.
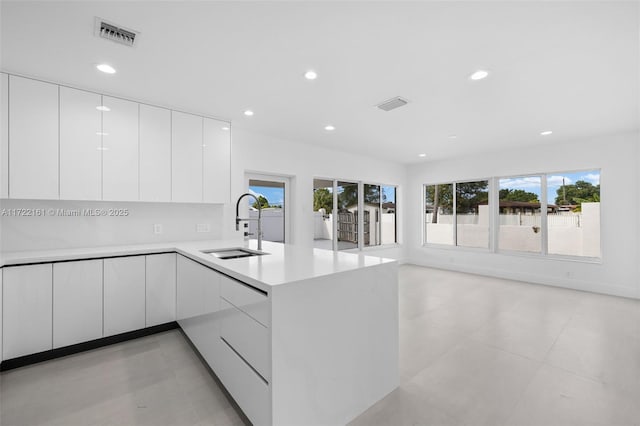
x,y
454,207
360,183
494,219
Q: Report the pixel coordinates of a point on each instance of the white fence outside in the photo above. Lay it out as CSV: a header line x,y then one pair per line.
x,y
573,234
554,219
272,224
323,228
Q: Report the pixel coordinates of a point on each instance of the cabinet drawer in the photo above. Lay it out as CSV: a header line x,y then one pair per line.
x,y
252,301
248,389
249,338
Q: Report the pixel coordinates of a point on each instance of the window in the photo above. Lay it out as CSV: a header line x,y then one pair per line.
x,y
466,224
271,191
323,214
519,212
472,214
347,215
553,213
573,217
389,211
340,207
379,215
439,214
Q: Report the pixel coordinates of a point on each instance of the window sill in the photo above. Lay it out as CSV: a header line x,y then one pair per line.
x,y
554,257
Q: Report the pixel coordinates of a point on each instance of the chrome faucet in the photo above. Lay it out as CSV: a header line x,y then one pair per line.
x,y
239,219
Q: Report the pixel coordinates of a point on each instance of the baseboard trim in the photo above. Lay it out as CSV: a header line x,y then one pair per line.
x,y
580,285
23,361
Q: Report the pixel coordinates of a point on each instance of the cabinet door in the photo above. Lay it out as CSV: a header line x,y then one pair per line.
x,y
217,161
155,153
198,305
120,150
198,289
186,160
80,145
26,310
4,135
33,136
124,294
1,291
161,288
77,302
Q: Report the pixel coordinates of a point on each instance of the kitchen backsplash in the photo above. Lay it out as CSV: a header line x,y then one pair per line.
x,y
41,225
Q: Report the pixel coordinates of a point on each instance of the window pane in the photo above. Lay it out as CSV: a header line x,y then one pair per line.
x,y
323,214
388,221
574,213
439,214
347,215
520,225
372,215
472,214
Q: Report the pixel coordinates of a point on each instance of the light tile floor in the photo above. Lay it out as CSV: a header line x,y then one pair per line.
x,y
473,351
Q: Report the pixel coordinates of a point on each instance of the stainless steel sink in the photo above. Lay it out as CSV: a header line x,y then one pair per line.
x,y
233,253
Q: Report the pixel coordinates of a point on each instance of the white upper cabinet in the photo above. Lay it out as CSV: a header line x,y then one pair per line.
x,y
33,139
80,145
217,161
186,165
62,143
155,153
119,150
4,135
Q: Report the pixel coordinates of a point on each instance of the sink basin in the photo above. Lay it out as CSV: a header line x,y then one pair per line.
x,y
233,253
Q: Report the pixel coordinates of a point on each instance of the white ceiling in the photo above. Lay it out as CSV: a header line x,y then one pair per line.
x,y
571,67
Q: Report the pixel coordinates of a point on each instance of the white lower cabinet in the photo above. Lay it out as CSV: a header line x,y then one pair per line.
x,y
248,389
236,346
124,294
26,310
198,289
77,302
160,288
247,337
0,315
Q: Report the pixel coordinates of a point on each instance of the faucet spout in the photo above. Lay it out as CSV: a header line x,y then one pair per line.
x,y
239,219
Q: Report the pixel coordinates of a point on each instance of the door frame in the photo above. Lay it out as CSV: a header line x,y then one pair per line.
x,y
284,179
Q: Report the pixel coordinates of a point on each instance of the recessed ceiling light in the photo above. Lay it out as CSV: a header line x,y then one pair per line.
x,y
422,155
452,136
103,108
329,128
479,75
102,134
311,75
546,133
225,128
106,68
248,113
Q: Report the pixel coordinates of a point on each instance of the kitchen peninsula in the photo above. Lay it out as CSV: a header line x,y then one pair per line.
x,y
297,335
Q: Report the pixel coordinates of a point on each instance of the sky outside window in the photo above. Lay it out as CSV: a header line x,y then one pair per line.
x,y
554,182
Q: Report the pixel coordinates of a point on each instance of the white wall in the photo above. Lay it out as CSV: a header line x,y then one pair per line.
x,y
267,155
618,158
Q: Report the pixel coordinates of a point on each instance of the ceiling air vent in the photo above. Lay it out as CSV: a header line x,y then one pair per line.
x,y
392,103
115,33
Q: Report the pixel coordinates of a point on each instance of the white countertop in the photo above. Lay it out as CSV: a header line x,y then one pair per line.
x,y
284,263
